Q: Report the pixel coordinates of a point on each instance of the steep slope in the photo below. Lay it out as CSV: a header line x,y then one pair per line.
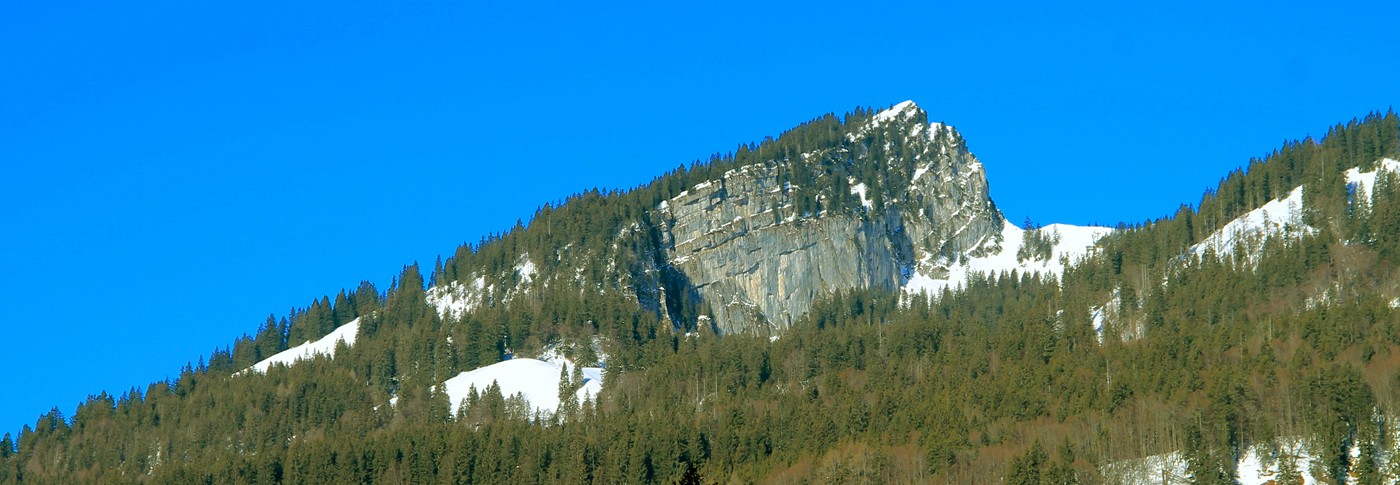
x,y
926,221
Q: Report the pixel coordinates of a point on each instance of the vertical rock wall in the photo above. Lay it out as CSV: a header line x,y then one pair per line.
x,y
758,265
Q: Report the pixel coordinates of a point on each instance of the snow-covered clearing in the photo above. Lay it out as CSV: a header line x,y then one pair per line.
x,y
526,269
1075,242
535,380
894,112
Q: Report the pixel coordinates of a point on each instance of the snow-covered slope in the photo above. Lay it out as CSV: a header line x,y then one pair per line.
x,y
1075,242
323,346
1279,217
536,380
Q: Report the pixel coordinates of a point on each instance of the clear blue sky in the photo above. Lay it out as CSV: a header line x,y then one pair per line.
x,y
176,171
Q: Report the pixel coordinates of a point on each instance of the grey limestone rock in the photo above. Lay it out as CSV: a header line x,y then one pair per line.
x,y
758,264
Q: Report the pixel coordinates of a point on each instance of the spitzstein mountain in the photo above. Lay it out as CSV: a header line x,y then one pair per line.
x,y
759,261
893,202
841,304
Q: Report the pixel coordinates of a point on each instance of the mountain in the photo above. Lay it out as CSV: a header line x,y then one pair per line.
x,y
887,203
842,303
759,261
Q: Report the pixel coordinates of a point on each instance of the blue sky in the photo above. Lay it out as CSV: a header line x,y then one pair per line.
x,y
175,171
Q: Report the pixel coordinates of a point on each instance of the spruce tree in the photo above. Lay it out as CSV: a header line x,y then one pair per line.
x,y
440,404
568,399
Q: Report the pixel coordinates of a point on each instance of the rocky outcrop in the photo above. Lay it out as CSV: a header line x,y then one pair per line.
x,y
741,246
893,202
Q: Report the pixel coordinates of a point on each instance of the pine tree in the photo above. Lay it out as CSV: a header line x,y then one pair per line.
x,y
366,298
269,340
568,399
1369,444
1028,468
1204,462
343,311
575,376
440,404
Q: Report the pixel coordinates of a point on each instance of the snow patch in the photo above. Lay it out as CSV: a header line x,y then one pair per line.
x,y
919,172
894,112
1096,317
859,189
308,350
526,269
455,299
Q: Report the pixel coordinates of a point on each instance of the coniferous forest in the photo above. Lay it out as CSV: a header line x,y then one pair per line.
x,y
1005,380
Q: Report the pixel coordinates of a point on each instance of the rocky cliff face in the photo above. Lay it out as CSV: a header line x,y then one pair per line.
x,y
878,202
744,249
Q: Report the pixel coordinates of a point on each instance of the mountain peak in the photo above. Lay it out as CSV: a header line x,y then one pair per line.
x,y
897,111
909,114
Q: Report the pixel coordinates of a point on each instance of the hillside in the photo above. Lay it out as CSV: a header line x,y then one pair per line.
x,y
841,303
